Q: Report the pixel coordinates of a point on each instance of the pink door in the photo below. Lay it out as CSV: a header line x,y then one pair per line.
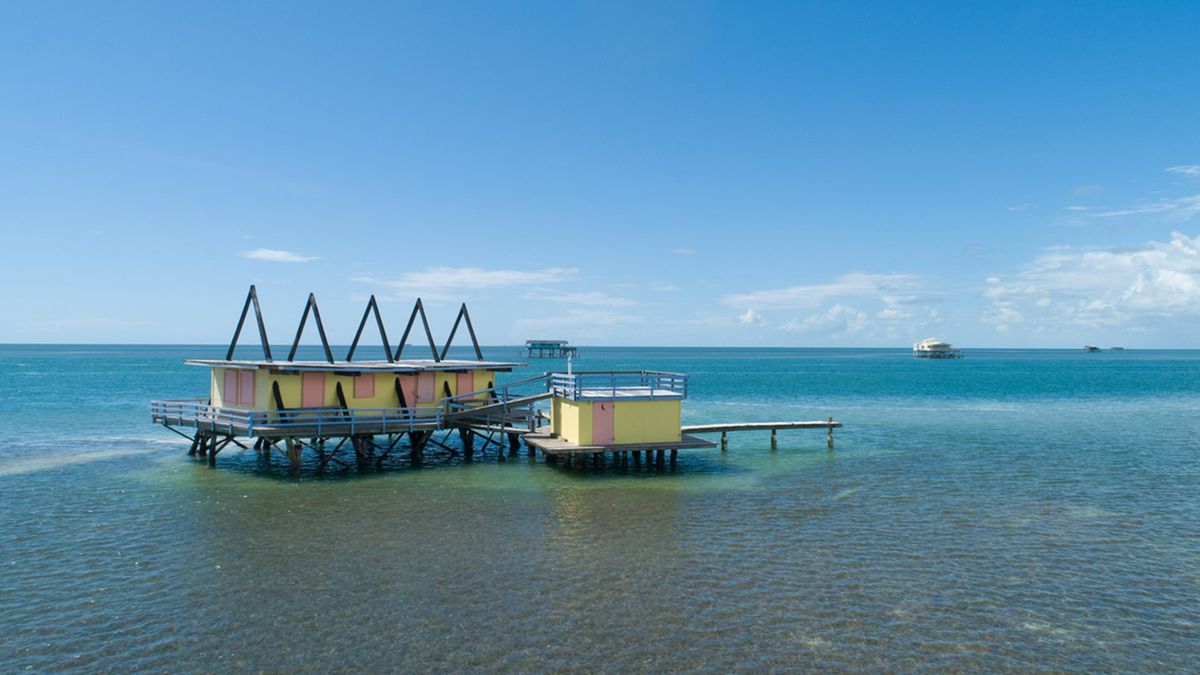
x,y
312,388
466,383
602,423
408,385
425,385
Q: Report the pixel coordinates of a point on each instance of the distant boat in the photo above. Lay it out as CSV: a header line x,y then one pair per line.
x,y
1117,349
1089,348
933,348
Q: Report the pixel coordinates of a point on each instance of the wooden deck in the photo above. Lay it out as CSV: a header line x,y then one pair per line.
x,y
550,445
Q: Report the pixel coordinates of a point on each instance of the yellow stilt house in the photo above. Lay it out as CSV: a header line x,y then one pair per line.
x,y
617,408
310,402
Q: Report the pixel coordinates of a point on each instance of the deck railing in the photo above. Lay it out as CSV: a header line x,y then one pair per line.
x,y
314,421
624,384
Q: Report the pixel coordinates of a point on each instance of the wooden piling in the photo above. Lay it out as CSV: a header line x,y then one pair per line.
x,y
674,456
724,441
830,433
774,440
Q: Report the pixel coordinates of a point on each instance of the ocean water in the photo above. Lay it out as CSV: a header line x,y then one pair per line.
x,y
1011,511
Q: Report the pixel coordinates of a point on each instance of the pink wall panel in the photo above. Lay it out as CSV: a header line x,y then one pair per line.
x,y
229,391
602,422
408,384
466,383
364,385
425,386
246,388
313,390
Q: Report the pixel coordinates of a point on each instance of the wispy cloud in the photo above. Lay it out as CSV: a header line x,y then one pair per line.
x,y
683,251
434,278
1192,170
854,284
587,298
276,255
663,287
1022,207
1182,208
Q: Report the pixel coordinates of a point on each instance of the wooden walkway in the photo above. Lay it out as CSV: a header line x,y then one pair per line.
x,y
773,427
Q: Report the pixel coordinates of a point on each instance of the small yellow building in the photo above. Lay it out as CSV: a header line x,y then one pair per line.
x,y
617,408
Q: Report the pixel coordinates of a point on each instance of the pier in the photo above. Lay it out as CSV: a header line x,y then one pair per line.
x,y
774,427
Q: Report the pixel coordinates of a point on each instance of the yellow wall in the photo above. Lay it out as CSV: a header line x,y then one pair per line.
x,y
634,422
574,420
291,388
646,421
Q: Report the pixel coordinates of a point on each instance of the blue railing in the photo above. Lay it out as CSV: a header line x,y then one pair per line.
x,y
623,384
315,421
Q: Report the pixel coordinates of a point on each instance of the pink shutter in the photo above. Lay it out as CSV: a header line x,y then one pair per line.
x,y
408,384
312,390
364,386
229,393
425,387
246,388
466,383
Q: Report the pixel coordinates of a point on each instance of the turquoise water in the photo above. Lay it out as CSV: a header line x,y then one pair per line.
x,y
1015,510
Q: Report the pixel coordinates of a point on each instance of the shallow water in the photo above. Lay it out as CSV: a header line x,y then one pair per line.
x,y
1014,510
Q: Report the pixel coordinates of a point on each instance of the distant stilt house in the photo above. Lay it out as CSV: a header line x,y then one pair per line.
x,y
933,348
549,349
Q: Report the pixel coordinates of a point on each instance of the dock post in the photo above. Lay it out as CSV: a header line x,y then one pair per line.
x,y
724,441
659,457
616,456
468,442
674,455
830,433
514,443
195,442
293,454
774,441
637,457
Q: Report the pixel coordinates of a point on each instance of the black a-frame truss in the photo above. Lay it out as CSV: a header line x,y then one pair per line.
x,y
251,299
311,305
372,306
463,314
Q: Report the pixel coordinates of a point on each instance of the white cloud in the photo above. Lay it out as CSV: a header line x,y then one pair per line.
x,y
751,318
589,298
855,284
663,288
1100,288
837,320
1186,169
472,277
276,255
1022,207
683,251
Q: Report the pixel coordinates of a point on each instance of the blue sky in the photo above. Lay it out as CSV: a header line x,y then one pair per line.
x,y
776,174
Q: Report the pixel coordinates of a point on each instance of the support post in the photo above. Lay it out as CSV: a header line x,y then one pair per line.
x,y
659,458
293,454
830,442
774,440
674,456
724,441
468,442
